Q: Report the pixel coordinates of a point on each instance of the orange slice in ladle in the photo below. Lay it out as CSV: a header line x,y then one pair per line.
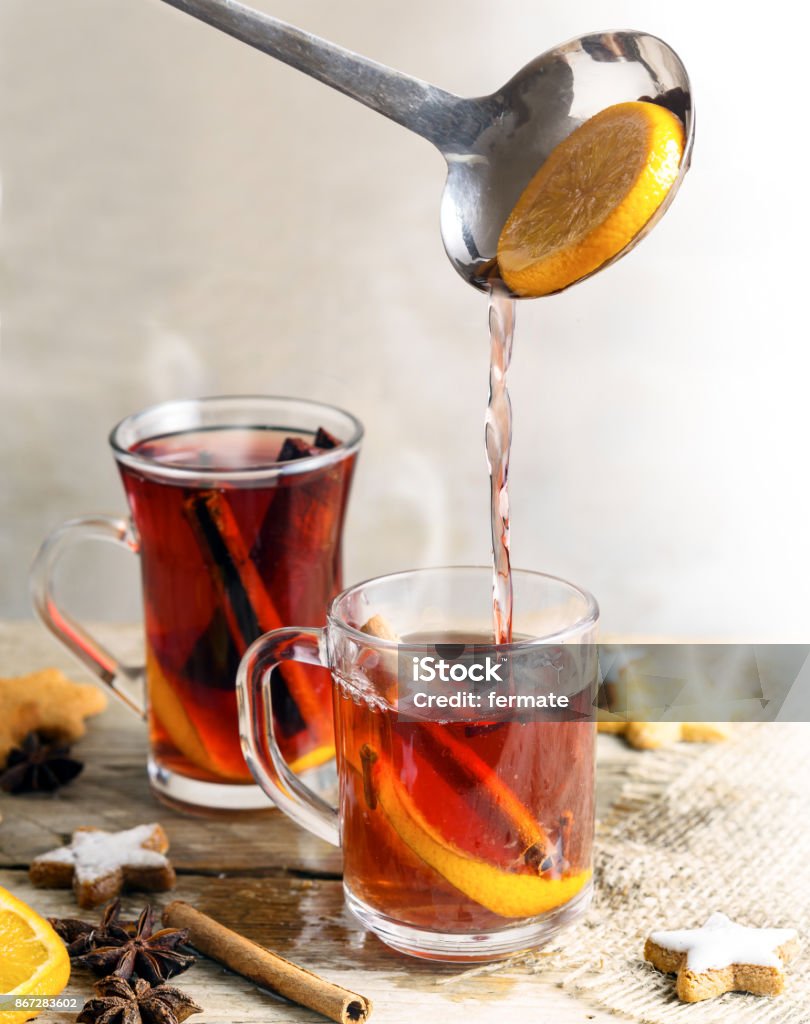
x,y
592,196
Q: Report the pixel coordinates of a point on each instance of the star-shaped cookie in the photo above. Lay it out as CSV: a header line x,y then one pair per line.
x,y
723,957
652,735
98,865
46,702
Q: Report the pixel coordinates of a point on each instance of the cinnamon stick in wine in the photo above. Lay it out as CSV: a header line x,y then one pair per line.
x,y
266,968
248,607
448,751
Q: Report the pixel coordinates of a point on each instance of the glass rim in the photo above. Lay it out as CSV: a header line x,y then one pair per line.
x,y
154,468
589,617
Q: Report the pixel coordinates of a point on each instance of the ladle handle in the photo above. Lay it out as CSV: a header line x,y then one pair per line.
x,y
416,105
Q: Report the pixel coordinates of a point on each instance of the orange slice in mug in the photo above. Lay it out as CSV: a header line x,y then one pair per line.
x,y
592,196
170,706
506,893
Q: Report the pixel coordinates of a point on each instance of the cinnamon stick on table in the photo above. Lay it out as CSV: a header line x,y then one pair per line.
x,y
265,968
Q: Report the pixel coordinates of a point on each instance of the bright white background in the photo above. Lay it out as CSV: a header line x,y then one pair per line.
x,y
181,216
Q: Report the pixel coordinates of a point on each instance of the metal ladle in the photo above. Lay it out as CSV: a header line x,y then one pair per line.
x,y
493,145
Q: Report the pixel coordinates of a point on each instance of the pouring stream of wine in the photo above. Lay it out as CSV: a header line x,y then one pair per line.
x,y
498,437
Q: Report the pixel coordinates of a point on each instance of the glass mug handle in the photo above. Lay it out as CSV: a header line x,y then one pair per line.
x,y
124,680
259,745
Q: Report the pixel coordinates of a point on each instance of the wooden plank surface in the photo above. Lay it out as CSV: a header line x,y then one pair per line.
x,y
260,875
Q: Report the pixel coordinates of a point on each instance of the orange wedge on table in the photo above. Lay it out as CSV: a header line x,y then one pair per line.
x,y
506,893
592,196
33,959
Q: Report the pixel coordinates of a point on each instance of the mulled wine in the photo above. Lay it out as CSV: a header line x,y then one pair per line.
x,y
252,544
463,826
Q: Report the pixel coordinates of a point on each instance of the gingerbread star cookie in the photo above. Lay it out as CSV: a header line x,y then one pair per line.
x,y
46,702
652,735
723,957
98,865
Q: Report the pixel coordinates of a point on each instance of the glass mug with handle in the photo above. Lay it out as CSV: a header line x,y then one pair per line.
x,y
237,507
467,837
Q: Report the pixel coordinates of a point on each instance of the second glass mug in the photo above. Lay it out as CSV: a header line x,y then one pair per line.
x,y
461,842
236,535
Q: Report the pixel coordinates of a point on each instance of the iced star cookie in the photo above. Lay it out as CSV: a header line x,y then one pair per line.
x,y
723,957
98,865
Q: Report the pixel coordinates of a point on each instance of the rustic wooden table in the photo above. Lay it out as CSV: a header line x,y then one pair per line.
x,y
262,876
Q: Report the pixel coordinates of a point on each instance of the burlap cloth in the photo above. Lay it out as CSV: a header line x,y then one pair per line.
x,y
697,829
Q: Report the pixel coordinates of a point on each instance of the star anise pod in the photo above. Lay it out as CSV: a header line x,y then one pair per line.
x,y
118,1001
142,951
82,936
36,766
